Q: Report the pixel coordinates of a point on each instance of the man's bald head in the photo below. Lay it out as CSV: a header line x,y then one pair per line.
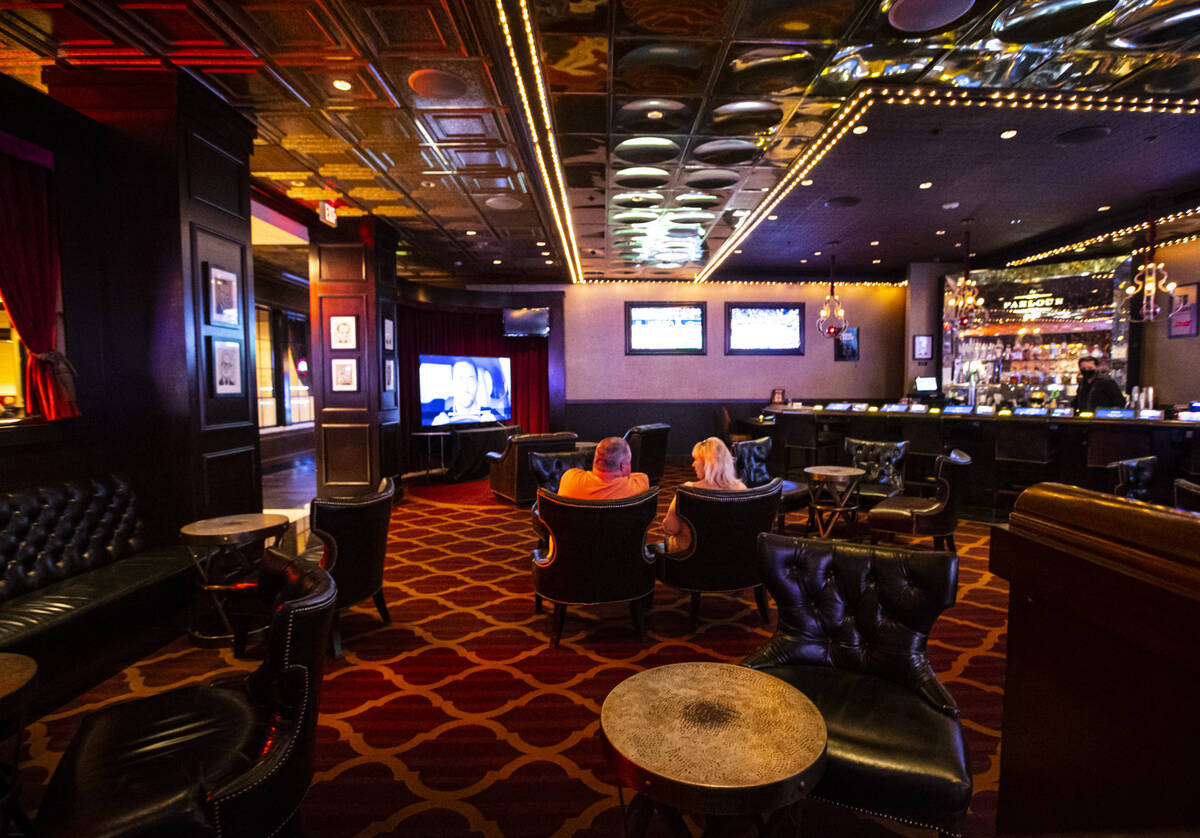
x,y
612,454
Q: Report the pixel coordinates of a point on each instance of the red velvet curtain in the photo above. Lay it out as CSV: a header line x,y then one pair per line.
x,y
29,281
426,330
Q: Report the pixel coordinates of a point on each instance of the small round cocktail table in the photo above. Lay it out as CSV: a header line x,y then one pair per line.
x,y
18,686
713,739
832,491
216,547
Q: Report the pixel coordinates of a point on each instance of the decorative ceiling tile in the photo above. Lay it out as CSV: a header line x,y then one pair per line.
x,y
575,63
412,27
465,126
347,171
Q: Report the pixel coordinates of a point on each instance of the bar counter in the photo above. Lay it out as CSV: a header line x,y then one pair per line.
x,y
1080,448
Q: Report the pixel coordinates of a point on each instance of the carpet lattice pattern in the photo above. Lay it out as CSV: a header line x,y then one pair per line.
x,y
457,719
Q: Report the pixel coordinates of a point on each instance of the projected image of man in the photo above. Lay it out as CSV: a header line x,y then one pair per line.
x,y
467,402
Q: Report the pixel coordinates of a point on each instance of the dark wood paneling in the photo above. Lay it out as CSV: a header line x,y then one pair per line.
x,y
389,449
216,177
229,482
342,262
346,455
280,447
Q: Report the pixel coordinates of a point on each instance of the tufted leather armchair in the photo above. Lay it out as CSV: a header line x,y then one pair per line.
x,y
854,622
884,466
648,445
359,529
721,556
1134,476
935,516
1187,495
234,758
510,474
751,458
549,466
597,554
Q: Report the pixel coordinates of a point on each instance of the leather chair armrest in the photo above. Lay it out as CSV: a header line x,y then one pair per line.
x,y
658,549
494,456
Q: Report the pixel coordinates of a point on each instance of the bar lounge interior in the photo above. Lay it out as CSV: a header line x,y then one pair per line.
x,y
307,306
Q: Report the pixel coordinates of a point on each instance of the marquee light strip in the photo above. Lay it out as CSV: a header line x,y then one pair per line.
x,y
821,283
559,205
855,109
1083,244
1169,243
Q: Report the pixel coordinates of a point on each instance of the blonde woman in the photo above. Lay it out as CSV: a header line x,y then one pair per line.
x,y
714,470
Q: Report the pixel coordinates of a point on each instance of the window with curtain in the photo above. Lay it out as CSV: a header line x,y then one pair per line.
x,y
284,394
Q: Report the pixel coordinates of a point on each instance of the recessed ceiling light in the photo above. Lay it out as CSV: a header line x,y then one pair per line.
x,y
541,244
816,253
949,205
736,252
470,232
806,182
861,129
772,218
1104,208
545,252
549,261
874,244
876,261
654,114
926,185
496,261
1014,221
341,84
1008,135
940,233
803,261
428,184
958,244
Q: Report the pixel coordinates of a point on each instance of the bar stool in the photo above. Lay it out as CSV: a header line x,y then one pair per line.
x,y
1107,445
925,445
798,432
1023,456
1134,476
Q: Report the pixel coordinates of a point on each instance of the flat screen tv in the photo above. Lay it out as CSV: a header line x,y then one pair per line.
x,y
526,322
764,328
665,328
461,389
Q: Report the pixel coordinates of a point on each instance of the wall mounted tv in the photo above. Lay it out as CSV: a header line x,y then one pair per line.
x,y
460,389
526,322
665,328
764,328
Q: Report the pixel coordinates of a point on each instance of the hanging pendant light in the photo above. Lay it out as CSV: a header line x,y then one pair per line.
x,y
964,306
1148,282
832,320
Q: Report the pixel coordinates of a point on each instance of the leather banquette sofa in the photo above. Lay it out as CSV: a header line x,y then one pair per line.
x,y
80,593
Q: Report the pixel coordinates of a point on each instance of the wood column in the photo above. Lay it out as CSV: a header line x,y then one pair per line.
x,y
352,280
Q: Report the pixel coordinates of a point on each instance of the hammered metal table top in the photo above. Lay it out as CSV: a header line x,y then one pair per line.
x,y
834,472
232,529
713,725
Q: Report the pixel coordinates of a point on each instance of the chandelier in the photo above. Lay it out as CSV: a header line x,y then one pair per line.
x,y
964,305
832,320
1147,283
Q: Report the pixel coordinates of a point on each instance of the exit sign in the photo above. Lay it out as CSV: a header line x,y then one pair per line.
x,y
328,213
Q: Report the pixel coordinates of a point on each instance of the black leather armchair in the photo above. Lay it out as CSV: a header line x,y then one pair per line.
x,y
1134,476
359,528
935,516
231,759
883,463
549,466
1187,495
510,474
854,622
721,556
751,458
597,555
648,446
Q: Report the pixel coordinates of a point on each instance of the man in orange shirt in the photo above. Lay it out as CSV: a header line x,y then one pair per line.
x,y
610,476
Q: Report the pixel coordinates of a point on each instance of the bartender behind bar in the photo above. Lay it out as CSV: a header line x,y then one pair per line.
x,y
1096,388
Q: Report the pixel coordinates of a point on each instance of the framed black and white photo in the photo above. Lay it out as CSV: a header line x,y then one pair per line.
x,y
222,297
389,334
226,367
389,375
845,345
922,347
1183,324
344,373
343,332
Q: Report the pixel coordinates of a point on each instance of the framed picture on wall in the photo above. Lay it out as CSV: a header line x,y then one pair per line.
x,y
226,367
222,296
389,334
344,372
389,375
1183,324
922,347
845,345
343,332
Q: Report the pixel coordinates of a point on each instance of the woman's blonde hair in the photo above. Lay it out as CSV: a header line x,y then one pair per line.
x,y
717,463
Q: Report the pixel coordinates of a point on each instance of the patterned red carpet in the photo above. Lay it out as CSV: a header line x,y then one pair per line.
x,y
458,720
